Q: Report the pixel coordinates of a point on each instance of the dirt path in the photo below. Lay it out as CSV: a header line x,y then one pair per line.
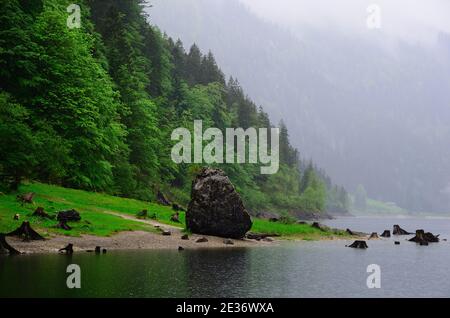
x,y
131,240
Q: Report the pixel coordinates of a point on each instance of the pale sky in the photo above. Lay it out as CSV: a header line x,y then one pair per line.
x,y
411,20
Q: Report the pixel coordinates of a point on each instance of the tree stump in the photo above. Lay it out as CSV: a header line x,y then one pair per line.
x,y
26,198
202,240
175,218
26,232
319,226
63,225
422,237
39,212
373,236
386,233
142,215
69,216
399,231
68,249
98,249
359,244
6,248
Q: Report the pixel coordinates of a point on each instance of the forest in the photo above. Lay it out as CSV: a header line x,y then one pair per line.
x,y
94,108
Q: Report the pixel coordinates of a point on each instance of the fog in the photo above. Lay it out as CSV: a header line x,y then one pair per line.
x,y
370,106
411,20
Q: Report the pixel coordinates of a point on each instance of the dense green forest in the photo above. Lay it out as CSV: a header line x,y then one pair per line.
x,y
94,108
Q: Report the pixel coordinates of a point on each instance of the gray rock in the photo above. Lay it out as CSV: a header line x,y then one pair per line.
x,y
202,240
216,208
228,242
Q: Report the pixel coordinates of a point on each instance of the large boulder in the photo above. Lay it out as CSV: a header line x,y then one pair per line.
x,y
216,208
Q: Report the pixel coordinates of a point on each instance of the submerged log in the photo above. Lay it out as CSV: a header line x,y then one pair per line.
x,y
399,231
422,237
39,212
373,236
68,249
6,248
386,233
26,232
359,244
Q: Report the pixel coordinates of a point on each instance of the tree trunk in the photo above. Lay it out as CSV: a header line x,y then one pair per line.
x,y
5,247
26,232
399,231
68,249
359,244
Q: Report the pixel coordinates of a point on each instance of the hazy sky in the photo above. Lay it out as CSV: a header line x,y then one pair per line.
x,y
412,20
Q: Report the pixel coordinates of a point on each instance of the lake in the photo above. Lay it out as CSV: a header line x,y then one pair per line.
x,y
293,269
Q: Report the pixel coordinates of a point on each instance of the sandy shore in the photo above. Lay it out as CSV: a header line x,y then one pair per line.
x,y
131,241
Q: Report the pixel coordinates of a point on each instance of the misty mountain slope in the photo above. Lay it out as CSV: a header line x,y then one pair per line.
x,y
370,111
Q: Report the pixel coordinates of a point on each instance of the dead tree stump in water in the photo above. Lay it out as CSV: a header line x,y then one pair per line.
x,y
399,231
68,249
26,232
359,244
423,238
386,233
6,248
374,235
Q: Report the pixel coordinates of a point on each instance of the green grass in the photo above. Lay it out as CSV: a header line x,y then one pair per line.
x,y
303,231
96,209
375,207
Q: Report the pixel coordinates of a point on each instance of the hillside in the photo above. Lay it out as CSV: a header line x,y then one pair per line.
x,y
94,107
105,215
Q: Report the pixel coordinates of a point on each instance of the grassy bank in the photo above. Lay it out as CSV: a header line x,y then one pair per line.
x,y
96,209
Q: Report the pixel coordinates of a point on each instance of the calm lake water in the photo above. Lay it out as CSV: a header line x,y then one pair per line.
x,y
294,269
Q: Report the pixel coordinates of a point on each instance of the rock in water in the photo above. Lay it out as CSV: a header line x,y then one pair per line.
x,y
359,244
216,208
